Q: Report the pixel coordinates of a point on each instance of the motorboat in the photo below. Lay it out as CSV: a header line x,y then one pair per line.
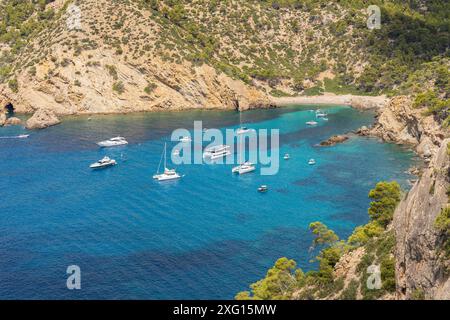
x,y
217,152
168,174
243,130
263,188
325,119
113,142
103,163
321,114
311,162
311,123
286,156
185,139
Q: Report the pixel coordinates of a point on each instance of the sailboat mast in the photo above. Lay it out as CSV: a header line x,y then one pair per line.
x,y
165,155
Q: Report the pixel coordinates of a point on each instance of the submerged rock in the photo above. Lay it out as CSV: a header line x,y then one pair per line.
x,y
41,119
13,121
334,140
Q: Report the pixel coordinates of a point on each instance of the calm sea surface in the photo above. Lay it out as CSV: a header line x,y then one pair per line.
x,y
206,236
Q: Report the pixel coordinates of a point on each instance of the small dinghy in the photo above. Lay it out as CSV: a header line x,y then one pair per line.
x,y
185,139
263,188
286,156
103,163
311,162
311,123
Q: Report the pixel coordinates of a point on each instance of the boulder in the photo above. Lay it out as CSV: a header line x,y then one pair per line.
x,y
41,119
334,140
13,121
363,131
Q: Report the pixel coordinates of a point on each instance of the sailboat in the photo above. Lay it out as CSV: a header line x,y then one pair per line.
x,y
242,130
243,167
168,174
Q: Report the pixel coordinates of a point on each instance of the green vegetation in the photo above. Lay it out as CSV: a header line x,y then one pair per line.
x,y
284,281
278,284
386,196
13,85
442,224
150,88
112,71
119,87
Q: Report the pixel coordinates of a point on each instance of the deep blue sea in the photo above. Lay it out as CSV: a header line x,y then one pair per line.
x,y
207,236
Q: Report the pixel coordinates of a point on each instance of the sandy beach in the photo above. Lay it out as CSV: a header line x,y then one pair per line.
x,y
359,102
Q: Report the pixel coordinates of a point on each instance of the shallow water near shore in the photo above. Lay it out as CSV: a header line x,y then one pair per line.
x,y
207,236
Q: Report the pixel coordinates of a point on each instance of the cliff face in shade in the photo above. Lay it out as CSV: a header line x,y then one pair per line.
x,y
419,264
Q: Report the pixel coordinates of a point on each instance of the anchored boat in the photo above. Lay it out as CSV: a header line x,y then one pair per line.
x,y
168,174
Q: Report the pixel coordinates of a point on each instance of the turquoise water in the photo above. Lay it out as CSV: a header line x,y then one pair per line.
x,y
206,236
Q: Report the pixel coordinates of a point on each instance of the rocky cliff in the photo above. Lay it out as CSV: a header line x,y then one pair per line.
x,y
420,266
116,70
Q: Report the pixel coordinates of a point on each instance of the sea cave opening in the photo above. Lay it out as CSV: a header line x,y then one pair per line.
x,y
9,108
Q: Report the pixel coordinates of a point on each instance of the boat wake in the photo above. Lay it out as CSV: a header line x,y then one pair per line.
x,y
21,136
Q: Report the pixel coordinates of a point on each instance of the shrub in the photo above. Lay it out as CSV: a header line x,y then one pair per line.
x,y
119,87
386,196
13,85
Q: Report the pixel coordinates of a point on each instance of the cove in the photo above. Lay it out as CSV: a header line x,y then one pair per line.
x,y
207,236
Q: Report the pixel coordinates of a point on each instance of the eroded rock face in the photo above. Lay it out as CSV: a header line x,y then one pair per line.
x,y
419,266
41,119
13,121
334,140
399,122
2,119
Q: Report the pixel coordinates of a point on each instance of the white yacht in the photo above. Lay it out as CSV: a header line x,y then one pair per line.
x,y
243,130
103,163
168,174
286,156
311,123
320,114
113,142
185,139
217,152
311,162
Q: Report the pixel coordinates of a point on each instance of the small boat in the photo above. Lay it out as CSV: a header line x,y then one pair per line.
x,y
103,163
23,136
243,130
325,119
185,139
286,156
263,188
217,152
168,174
321,114
113,142
311,162
244,168
311,123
